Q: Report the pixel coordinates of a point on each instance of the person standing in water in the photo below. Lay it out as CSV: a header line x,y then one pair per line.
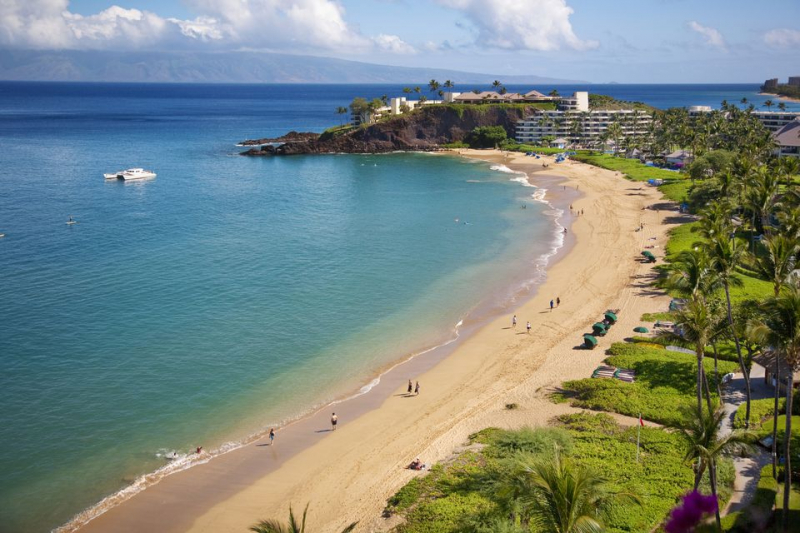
x,y
271,436
334,421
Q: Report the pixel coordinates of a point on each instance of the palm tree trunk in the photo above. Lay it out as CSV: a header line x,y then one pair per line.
x,y
712,474
775,420
716,369
708,391
739,354
787,443
699,382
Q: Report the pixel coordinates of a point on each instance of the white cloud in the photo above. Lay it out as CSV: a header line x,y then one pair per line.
x,y
782,38
521,24
279,25
712,36
393,44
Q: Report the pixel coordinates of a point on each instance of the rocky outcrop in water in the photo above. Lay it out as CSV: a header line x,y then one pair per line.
x,y
426,129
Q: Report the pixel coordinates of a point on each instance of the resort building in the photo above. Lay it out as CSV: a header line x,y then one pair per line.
x,y
772,120
678,158
794,81
788,138
775,120
492,97
574,120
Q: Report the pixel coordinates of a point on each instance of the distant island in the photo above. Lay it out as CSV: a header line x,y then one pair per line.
x,y
790,90
221,67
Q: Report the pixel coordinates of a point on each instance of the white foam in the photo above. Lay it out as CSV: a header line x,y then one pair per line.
x,y
503,168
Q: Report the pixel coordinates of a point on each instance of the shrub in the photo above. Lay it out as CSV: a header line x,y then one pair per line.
x,y
486,136
506,443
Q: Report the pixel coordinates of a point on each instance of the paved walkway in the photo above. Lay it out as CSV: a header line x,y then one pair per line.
x,y
747,468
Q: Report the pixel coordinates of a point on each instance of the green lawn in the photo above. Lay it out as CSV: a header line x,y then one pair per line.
x,y
665,384
675,187
454,497
685,236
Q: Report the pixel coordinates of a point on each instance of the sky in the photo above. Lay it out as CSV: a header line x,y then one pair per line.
x,y
625,41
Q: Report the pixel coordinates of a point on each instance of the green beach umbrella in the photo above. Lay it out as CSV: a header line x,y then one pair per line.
x,y
641,329
589,341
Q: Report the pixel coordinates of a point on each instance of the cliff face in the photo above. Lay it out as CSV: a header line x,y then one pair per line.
x,y
426,129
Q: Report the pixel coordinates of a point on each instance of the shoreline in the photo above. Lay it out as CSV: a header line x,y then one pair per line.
x,y
358,467
483,312
781,97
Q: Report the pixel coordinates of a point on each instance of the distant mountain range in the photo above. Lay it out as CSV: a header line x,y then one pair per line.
x,y
224,67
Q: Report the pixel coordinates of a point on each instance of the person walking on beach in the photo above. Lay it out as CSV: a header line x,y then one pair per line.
x,y
334,421
410,386
558,301
271,436
416,389
528,327
551,305
513,325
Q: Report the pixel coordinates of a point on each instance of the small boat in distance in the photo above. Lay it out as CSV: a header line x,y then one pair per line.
x,y
130,174
71,221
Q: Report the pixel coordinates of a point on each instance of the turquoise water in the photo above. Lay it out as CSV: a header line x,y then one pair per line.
x,y
223,296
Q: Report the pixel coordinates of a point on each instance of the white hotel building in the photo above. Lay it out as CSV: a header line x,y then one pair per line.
x,y
574,120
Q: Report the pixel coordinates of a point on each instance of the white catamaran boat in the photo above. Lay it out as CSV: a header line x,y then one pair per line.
x,y
131,174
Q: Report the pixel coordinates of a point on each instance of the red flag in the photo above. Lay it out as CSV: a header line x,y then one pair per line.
x,y
641,421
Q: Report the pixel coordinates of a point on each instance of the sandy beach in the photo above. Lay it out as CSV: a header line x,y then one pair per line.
x,y
347,475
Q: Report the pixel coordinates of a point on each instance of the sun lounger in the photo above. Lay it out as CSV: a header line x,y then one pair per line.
x,y
604,371
627,376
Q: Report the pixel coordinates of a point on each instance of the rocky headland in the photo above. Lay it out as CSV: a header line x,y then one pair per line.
x,y
426,129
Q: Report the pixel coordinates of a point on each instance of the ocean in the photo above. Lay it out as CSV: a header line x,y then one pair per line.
x,y
228,294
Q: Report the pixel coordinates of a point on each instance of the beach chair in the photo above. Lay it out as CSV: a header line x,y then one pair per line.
x,y
641,329
625,375
604,371
589,341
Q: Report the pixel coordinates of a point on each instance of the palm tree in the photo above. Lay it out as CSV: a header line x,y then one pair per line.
x,y
341,111
778,260
496,84
726,254
706,444
406,90
433,85
780,330
274,526
782,106
448,84
743,101
692,275
697,325
567,498
768,104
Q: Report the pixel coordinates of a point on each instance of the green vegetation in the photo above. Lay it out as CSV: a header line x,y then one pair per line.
x,y
655,317
516,147
466,494
632,168
336,131
664,386
604,102
486,137
761,412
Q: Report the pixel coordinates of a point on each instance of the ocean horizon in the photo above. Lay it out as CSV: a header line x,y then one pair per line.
x,y
228,294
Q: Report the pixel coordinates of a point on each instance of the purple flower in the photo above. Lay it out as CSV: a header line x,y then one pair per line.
x,y
689,512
